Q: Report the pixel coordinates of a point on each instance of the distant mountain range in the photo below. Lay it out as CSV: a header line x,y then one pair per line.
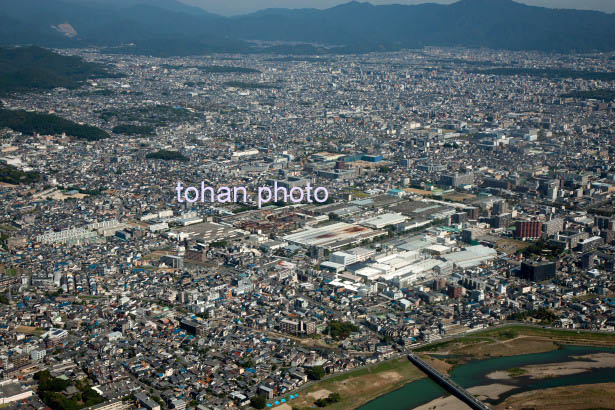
x,y
168,27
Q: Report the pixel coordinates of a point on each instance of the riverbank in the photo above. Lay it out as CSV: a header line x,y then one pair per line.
x,y
585,396
510,341
516,381
583,364
490,391
360,386
365,387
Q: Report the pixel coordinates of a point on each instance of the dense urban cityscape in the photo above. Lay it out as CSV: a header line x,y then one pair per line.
x,y
460,198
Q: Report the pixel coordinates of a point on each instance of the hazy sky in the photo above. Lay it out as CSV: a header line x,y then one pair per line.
x,y
229,7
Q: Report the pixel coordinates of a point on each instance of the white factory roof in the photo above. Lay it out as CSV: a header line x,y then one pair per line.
x,y
399,263
472,256
416,244
361,251
438,248
384,258
410,255
384,268
327,234
422,266
381,221
369,273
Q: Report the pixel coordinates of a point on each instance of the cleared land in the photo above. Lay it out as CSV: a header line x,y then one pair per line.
x,y
510,246
360,386
459,197
29,330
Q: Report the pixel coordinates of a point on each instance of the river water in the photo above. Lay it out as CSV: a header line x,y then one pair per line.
x,y
474,374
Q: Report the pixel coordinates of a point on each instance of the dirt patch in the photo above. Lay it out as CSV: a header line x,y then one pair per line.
x,y
376,381
584,364
438,364
490,391
28,330
355,229
588,396
391,376
319,394
444,403
459,197
500,375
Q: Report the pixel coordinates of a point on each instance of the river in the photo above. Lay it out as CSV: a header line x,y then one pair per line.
x,y
475,374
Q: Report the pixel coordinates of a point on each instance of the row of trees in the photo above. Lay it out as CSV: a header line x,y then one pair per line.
x,y
130,129
227,69
340,330
51,390
600,94
34,68
542,314
549,73
11,175
332,398
31,123
249,86
167,155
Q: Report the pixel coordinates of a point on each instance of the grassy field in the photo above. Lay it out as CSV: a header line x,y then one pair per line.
x,y
510,246
356,193
28,330
513,340
557,335
11,271
590,296
360,386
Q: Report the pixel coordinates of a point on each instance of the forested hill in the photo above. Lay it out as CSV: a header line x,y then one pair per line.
x,y
31,123
34,68
167,27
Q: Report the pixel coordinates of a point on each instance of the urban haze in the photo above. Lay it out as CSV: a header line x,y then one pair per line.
x,y
351,206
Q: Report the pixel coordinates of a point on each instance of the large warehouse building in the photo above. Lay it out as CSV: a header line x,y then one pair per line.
x,y
333,237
